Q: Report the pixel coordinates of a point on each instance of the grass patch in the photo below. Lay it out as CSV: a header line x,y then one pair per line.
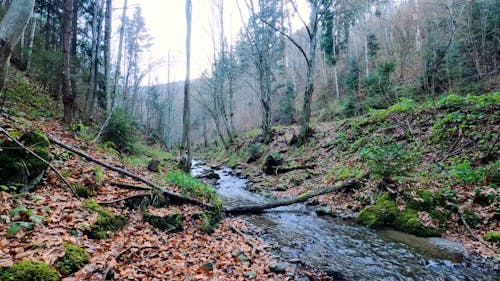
x,y
193,188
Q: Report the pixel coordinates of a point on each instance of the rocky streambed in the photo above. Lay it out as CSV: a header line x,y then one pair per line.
x,y
302,237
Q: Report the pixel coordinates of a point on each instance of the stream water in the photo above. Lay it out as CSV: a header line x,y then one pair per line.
x,y
359,253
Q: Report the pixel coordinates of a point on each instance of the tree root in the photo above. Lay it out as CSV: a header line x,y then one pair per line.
x,y
117,257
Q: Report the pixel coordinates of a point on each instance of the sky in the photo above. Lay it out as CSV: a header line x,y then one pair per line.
x,y
166,22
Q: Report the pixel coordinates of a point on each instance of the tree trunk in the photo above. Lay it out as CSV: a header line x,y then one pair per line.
x,y
107,53
119,57
68,95
259,208
11,28
305,130
31,40
185,151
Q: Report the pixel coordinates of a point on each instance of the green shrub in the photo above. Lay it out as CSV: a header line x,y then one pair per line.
x,y
389,161
74,258
121,131
30,271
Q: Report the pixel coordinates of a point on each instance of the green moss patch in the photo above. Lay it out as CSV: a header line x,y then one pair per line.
x,y
492,236
386,213
74,258
106,221
30,271
207,221
19,167
170,223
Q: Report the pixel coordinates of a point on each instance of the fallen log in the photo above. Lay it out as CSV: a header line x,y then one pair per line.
x,y
259,208
283,170
166,192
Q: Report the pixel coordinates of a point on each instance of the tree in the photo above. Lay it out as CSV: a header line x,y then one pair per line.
x,y
185,149
11,28
68,95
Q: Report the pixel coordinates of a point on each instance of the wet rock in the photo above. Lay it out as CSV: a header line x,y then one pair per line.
x,y
250,274
154,165
278,267
334,272
324,211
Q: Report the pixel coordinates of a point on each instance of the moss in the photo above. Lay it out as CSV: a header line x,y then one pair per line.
x,y
83,191
19,166
471,218
172,222
382,213
106,221
386,213
492,236
407,221
74,258
208,221
426,200
30,271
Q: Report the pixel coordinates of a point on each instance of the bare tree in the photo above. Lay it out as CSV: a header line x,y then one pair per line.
x,y
68,94
185,149
11,28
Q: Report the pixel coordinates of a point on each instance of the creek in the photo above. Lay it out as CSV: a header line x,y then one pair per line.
x,y
301,237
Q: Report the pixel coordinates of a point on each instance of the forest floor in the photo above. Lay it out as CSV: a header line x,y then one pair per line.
x,y
447,149
136,252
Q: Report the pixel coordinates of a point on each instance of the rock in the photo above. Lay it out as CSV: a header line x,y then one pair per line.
x,y
154,165
278,267
211,174
324,211
172,222
250,274
334,272
208,266
241,256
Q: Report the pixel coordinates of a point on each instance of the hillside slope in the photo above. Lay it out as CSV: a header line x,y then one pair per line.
x,y
437,164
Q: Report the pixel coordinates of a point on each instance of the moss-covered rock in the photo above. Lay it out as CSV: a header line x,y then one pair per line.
x,y
171,223
106,221
207,221
19,167
386,213
382,213
30,271
426,200
74,258
492,236
83,191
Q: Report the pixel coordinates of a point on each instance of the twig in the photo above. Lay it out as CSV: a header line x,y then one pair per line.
x,y
130,186
124,199
494,249
249,243
117,257
43,160
492,146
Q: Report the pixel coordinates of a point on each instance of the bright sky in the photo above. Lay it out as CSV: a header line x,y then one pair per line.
x,y
166,22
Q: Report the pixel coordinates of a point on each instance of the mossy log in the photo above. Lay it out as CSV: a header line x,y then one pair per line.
x,y
166,192
258,208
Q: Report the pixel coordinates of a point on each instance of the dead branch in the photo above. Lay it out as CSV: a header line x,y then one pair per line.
x,y
283,170
140,195
43,160
117,257
134,176
494,249
258,208
130,186
247,241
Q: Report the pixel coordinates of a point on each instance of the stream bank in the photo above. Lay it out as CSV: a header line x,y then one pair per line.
x,y
342,248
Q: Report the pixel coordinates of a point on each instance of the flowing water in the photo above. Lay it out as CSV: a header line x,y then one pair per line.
x,y
359,253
